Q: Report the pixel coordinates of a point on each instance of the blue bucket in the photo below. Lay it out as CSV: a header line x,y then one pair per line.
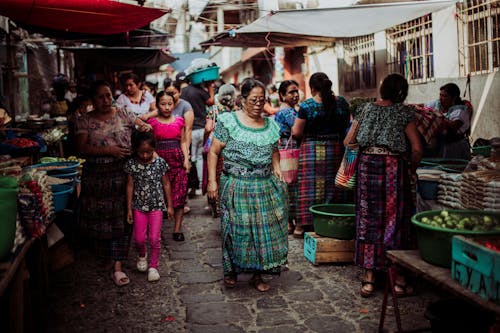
x,y
60,194
204,75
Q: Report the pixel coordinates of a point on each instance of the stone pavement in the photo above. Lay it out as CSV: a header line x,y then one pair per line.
x,y
190,296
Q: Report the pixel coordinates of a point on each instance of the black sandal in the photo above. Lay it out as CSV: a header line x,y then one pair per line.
x,y
178,236
367,293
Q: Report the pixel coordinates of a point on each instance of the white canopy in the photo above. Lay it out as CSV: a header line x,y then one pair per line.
x,y
324,25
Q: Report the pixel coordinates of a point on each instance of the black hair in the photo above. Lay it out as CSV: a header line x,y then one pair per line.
x,y
76,103
96,85
127,76
177,85
453,91
394,88
138,138
167,82
272,87
163,93
248,84
284,86
320,82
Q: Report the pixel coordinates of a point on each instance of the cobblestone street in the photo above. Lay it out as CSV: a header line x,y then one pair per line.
x,y
190,296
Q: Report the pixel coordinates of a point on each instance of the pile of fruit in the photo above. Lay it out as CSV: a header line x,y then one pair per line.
x,y
456,221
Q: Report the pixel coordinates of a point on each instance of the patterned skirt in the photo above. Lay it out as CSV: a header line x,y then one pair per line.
x,y
384,207
171,152
318,165
103,213
254,219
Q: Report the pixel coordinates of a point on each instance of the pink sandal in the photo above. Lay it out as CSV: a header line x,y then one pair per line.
x,y
119,278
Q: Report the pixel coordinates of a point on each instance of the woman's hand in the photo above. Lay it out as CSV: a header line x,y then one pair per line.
x,y
212,189
170,212
278,174
187,164
145,127
119,152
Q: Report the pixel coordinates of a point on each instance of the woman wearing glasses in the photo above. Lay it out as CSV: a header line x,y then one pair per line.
x,y
252,194
321,125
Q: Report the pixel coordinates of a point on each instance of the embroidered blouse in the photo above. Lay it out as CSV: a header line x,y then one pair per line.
x,y
138,109
250,148
148,189
314,114
163,131
285,119
116,131
384,126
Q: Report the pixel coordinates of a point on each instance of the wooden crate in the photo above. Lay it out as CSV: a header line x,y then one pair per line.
x,y
320,250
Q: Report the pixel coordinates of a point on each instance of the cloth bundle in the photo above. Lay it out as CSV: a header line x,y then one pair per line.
x,y
346,175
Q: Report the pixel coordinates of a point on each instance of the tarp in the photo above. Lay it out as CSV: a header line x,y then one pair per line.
x,y
184,60
123,57
101,17
323,25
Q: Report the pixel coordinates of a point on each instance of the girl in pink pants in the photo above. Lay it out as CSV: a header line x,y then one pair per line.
x,y
148,189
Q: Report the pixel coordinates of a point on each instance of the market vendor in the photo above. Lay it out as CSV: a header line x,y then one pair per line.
x,y
103,137
135,99
453,142
5,118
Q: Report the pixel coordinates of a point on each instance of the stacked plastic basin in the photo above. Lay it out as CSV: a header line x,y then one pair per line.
x,y
65,170
9,188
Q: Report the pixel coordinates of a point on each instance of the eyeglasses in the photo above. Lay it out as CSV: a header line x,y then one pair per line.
x,y
255,101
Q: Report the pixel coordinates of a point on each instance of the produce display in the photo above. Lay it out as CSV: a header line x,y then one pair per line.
x,y
35,200
21,143
446,220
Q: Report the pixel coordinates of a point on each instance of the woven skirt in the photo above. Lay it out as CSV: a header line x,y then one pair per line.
x,y
103,211
254,215
318,165
383,211
172,153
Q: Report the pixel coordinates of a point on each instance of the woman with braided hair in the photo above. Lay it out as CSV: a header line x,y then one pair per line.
x,y
321,125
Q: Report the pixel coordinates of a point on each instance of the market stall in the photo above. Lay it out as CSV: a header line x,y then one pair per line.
x,y
32,196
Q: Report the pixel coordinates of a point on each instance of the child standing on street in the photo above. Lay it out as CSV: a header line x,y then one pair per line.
x,y
148,195
169,132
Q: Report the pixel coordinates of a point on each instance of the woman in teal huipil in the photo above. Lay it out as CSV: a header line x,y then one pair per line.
x,y
253,199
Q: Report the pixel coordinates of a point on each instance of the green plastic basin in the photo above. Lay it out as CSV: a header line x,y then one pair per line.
x,y
434,243
334,220
8,206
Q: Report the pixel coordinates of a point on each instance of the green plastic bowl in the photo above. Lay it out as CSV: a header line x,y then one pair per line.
x,y
482,150
334,220
434,243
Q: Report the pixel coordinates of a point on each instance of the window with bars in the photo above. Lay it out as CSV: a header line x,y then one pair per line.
x,y
410,49
359,63
479,36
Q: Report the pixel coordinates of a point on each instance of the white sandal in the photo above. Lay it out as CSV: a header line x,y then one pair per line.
x,y
153,275
142,264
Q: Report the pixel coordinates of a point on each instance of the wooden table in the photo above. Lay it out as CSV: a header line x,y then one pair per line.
x,y
24,288
441,277
13,274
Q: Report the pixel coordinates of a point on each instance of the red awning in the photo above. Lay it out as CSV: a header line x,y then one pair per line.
x,y
102,17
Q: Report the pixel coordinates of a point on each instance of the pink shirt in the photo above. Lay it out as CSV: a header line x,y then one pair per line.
x,y
167,131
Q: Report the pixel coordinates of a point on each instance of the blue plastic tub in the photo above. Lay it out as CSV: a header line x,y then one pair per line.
x,y
73,176
60,194
57,167
204,75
